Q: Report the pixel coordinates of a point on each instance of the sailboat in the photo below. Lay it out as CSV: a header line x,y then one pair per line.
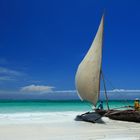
x,y
88,78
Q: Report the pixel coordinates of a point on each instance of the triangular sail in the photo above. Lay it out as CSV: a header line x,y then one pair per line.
x,y
88,73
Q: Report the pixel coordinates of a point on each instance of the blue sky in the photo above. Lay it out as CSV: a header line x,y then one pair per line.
x,y
42,43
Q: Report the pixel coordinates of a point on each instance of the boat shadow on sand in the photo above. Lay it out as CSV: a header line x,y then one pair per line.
x,y
92,117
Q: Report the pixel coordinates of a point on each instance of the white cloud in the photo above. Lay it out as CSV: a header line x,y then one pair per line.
x,y
124,90
109,91
65,91
9,72
41,88
6,78
47,92
37,88
8,75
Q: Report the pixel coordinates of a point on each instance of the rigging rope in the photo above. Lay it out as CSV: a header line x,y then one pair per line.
x,y
113,88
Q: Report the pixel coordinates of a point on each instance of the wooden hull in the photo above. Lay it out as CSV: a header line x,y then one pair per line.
x,y
101,112
124,115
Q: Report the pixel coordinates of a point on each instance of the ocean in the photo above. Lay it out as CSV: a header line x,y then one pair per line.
x,y
47,111
53,106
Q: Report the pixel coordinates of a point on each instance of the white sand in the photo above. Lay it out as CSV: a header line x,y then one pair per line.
x,y
70,130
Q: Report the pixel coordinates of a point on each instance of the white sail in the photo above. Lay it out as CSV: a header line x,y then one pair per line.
x,y
88,73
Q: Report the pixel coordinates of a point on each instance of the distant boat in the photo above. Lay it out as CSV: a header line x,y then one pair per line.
x,y
87,80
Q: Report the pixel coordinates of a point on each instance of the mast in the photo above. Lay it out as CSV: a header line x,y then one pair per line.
x,y
105,89
102,76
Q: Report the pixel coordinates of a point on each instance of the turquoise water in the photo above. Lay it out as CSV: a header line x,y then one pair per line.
x,y
53,106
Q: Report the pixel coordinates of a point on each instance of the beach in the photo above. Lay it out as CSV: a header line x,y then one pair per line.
x,y
71,131
68,128
60,125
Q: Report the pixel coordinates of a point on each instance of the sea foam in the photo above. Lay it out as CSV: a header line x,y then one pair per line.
x,y
35,117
